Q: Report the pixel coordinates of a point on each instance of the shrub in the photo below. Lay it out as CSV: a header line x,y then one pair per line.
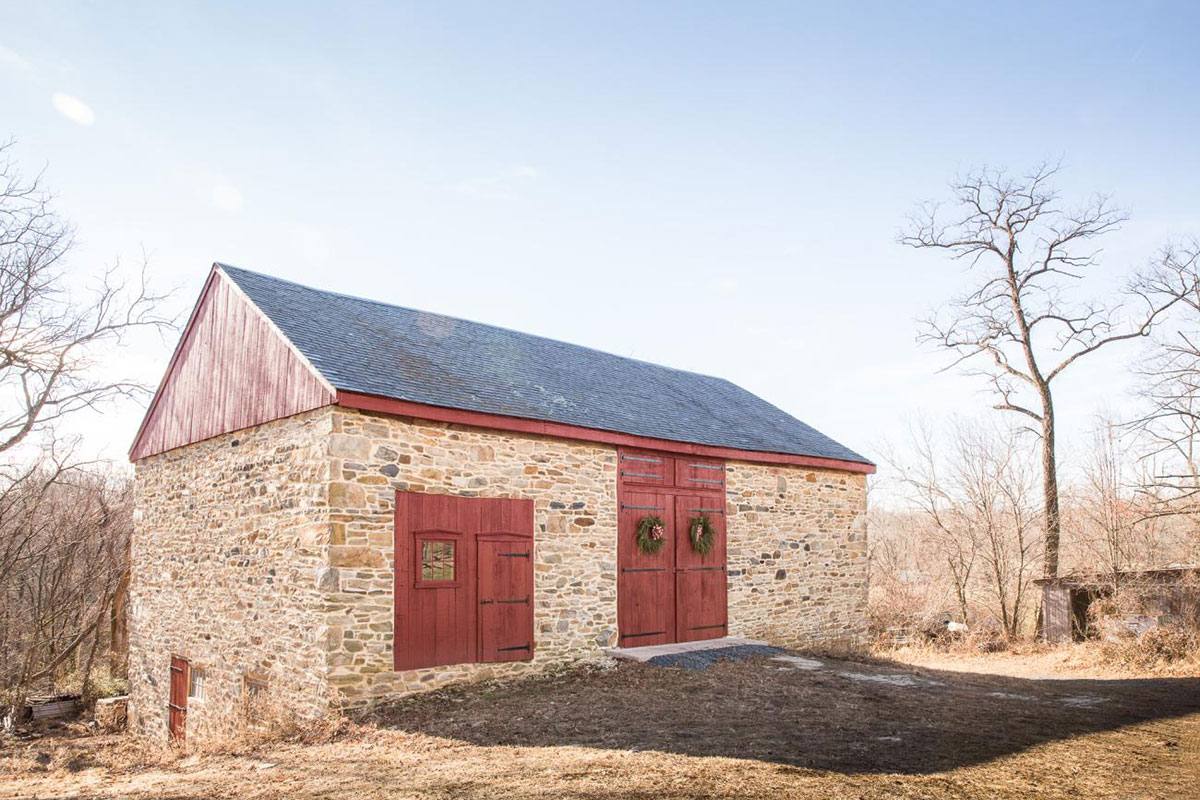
x,y
1162,646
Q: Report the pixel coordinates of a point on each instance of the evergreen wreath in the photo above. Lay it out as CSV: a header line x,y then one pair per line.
x,y
702,533
651,534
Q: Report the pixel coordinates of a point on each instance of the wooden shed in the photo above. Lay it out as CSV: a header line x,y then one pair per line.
x,y
1153,596
340,495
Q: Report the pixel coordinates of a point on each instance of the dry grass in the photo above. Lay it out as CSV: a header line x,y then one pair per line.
x,y
1165,649
751,729
1161,652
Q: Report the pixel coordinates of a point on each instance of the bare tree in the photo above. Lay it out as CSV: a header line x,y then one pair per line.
x,y
51,338
1117,527
953,542
1019,326
909,587
1171,383
64,535
975,495
993,482
64,525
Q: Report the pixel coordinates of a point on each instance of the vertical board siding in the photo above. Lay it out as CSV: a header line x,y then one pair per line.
x,y
177,704
1056,613
653,469
646,581
700,594
232,370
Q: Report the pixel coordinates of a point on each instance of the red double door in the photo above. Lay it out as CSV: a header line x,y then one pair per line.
x,y
464,580
675,594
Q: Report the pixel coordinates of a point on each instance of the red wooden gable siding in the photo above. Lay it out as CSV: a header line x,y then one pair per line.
x,y
231,370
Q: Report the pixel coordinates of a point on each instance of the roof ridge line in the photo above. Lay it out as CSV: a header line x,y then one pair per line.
x,y
493,326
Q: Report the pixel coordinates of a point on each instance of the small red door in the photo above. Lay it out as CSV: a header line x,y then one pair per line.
x,y
701,603
505,599
646,581
177,705
434,594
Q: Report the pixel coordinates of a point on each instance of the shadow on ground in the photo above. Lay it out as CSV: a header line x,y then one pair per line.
x,y
842,716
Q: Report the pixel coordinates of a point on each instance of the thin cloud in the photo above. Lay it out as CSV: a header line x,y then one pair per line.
x,y
11,58
500,186
74,109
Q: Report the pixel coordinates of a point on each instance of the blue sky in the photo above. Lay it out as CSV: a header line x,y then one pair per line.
x,y
715,187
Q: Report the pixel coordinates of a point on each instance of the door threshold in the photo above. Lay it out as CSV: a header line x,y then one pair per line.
x,y
653,650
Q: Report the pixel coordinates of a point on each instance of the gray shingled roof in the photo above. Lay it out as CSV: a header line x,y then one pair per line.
x,y
379,349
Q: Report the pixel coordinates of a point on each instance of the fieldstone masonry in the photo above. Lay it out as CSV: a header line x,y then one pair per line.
x,y
574,491
268,553
797,555
230,537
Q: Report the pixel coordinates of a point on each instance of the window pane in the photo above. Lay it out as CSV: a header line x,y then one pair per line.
x,y
196,684
437,561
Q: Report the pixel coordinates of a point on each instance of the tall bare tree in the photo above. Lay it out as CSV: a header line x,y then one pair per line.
x,y
63,525
1021,325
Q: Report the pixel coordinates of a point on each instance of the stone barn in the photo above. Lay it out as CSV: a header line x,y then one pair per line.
x,y
345,501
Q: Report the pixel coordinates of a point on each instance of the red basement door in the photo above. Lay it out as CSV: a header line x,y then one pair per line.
x,y
177,697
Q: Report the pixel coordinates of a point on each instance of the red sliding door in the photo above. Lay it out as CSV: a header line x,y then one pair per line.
x,y
645,581
700,598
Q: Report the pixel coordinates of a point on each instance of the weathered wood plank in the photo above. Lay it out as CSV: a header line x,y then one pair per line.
x,y
231,370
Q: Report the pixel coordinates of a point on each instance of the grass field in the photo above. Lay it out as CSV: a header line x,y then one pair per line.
x,y
760,728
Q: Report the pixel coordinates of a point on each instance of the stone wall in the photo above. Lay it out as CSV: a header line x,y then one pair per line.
x,y
229,548
268,552
797,555
574,491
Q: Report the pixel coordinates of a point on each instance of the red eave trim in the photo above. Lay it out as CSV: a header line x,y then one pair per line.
x,y
479,419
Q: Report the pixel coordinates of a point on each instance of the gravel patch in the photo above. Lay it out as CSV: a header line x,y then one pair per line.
x,y
703,659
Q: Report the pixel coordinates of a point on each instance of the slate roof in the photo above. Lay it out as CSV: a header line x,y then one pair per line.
x,y
374,348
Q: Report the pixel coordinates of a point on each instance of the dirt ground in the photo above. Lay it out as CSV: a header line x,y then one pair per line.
x,y
762,728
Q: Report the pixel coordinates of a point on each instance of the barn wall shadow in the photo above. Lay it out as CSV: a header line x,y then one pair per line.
x,y
849,717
